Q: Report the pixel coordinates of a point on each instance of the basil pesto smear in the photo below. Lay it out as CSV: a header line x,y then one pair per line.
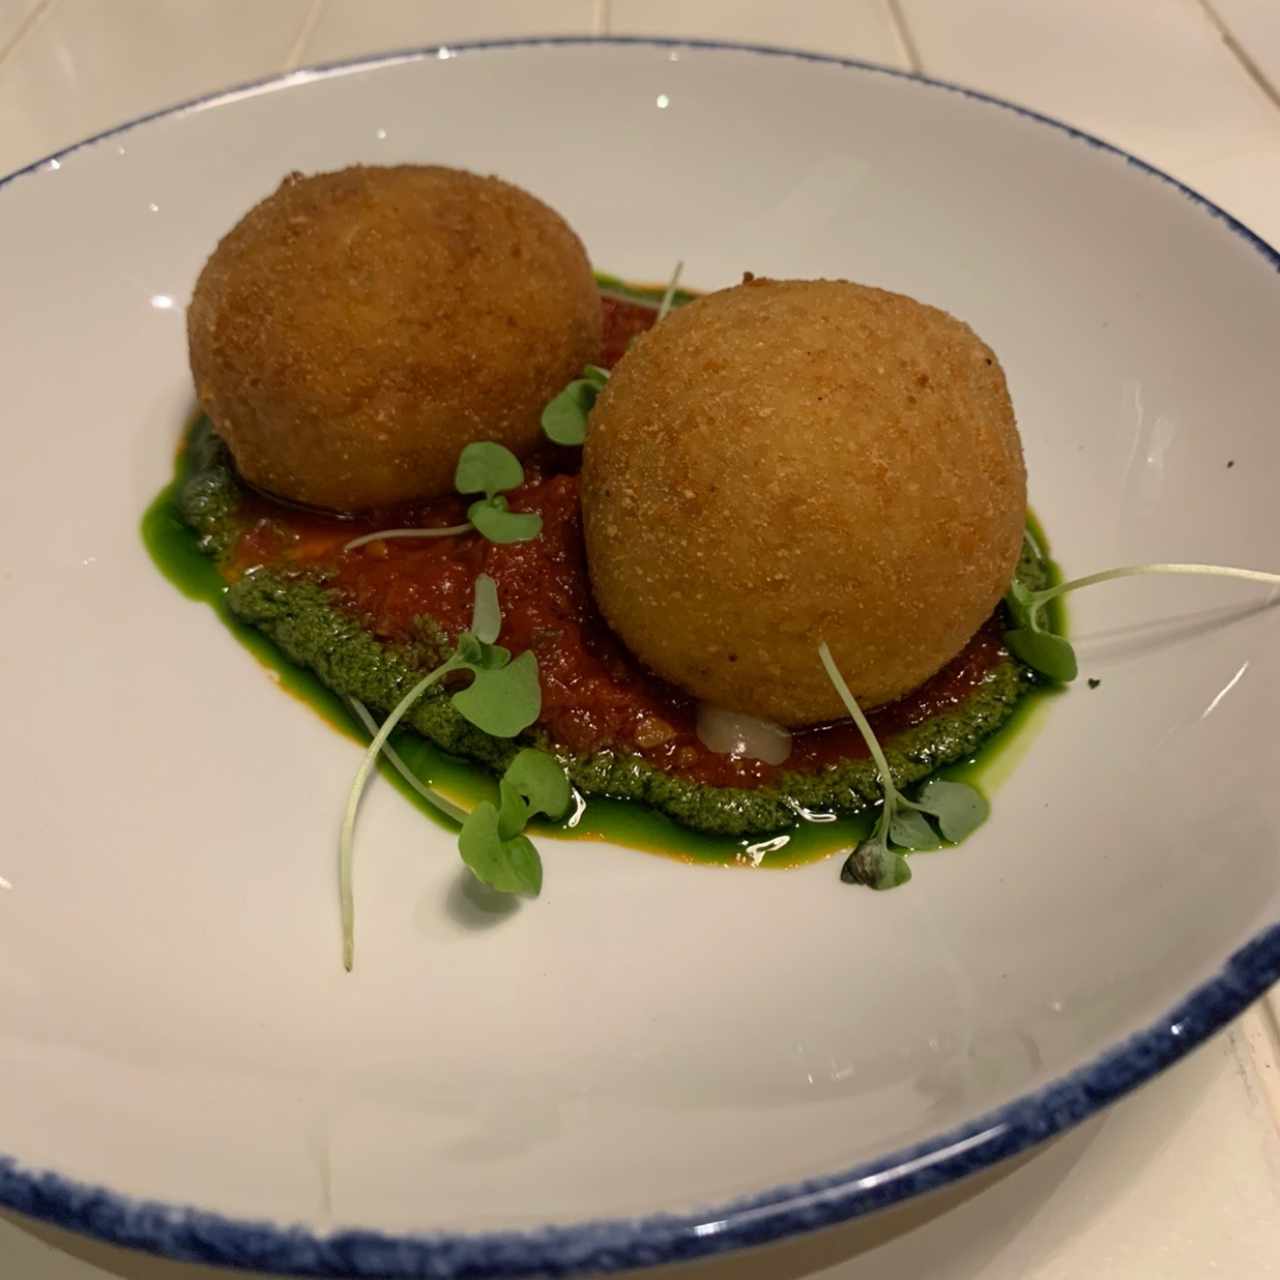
x,y
323,655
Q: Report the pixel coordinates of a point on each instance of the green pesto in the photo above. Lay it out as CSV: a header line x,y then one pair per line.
x,y
209,493
299,616
175,548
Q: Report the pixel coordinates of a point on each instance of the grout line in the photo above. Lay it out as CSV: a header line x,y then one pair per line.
x,y
298,49
1269,1013
601,18
1241,54
1261,1034
899,20
25,25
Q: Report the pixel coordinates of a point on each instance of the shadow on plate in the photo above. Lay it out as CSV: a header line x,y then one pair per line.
x,y
1142,638
468,903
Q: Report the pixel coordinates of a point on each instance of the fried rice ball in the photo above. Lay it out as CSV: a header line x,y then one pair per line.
x,y
356,329
790,461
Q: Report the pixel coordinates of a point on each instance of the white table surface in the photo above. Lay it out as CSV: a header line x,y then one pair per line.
x,y
1180,1180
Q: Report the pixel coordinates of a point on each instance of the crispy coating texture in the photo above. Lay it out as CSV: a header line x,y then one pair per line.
x,y
356,329
790,461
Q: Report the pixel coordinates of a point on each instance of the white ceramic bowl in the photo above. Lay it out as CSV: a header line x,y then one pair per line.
x,y
654,1061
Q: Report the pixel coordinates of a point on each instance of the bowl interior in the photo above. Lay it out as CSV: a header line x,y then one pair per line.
x,y
647,1036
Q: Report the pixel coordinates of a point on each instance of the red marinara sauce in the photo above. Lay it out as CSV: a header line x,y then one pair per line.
x,y
595,695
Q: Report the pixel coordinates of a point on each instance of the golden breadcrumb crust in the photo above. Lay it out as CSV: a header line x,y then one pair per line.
x,y
785,462
356,329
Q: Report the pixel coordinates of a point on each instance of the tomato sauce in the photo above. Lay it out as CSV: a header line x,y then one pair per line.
x,y
595,695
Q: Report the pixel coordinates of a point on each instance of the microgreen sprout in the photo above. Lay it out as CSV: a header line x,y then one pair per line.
x,y
1051,654
492,842
669,297
448,531
958,809
564,420
487,468
503,699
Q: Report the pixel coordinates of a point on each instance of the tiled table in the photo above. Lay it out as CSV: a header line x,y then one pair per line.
x,y
1181,1180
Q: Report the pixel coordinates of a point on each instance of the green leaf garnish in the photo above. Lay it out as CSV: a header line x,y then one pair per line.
x,y
910,829
488,468
492,518
875,865
483,467
1051,654
958,809
541,783
509,865
513,813
503,700
470,649
874,861
1045,652
491,842
475,655
564,420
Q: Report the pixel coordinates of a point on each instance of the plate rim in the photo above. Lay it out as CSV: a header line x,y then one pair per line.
x,y
189,1234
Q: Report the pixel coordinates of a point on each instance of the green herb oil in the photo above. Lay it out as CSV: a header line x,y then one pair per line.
x,y
175,549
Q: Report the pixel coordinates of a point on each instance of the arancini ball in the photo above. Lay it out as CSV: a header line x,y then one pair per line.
x,y
355,330
791,461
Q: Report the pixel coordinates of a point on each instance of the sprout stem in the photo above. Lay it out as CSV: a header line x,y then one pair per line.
x,y
432,797
668,298
864,727
382,534
347,838
1041,598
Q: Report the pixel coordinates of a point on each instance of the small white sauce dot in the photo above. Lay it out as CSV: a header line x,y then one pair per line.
x,y
673,56
663,102
444,52
162,302
153,208
380,134
54,165
4,884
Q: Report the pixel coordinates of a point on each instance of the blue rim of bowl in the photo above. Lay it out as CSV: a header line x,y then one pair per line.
x,y
188,1234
